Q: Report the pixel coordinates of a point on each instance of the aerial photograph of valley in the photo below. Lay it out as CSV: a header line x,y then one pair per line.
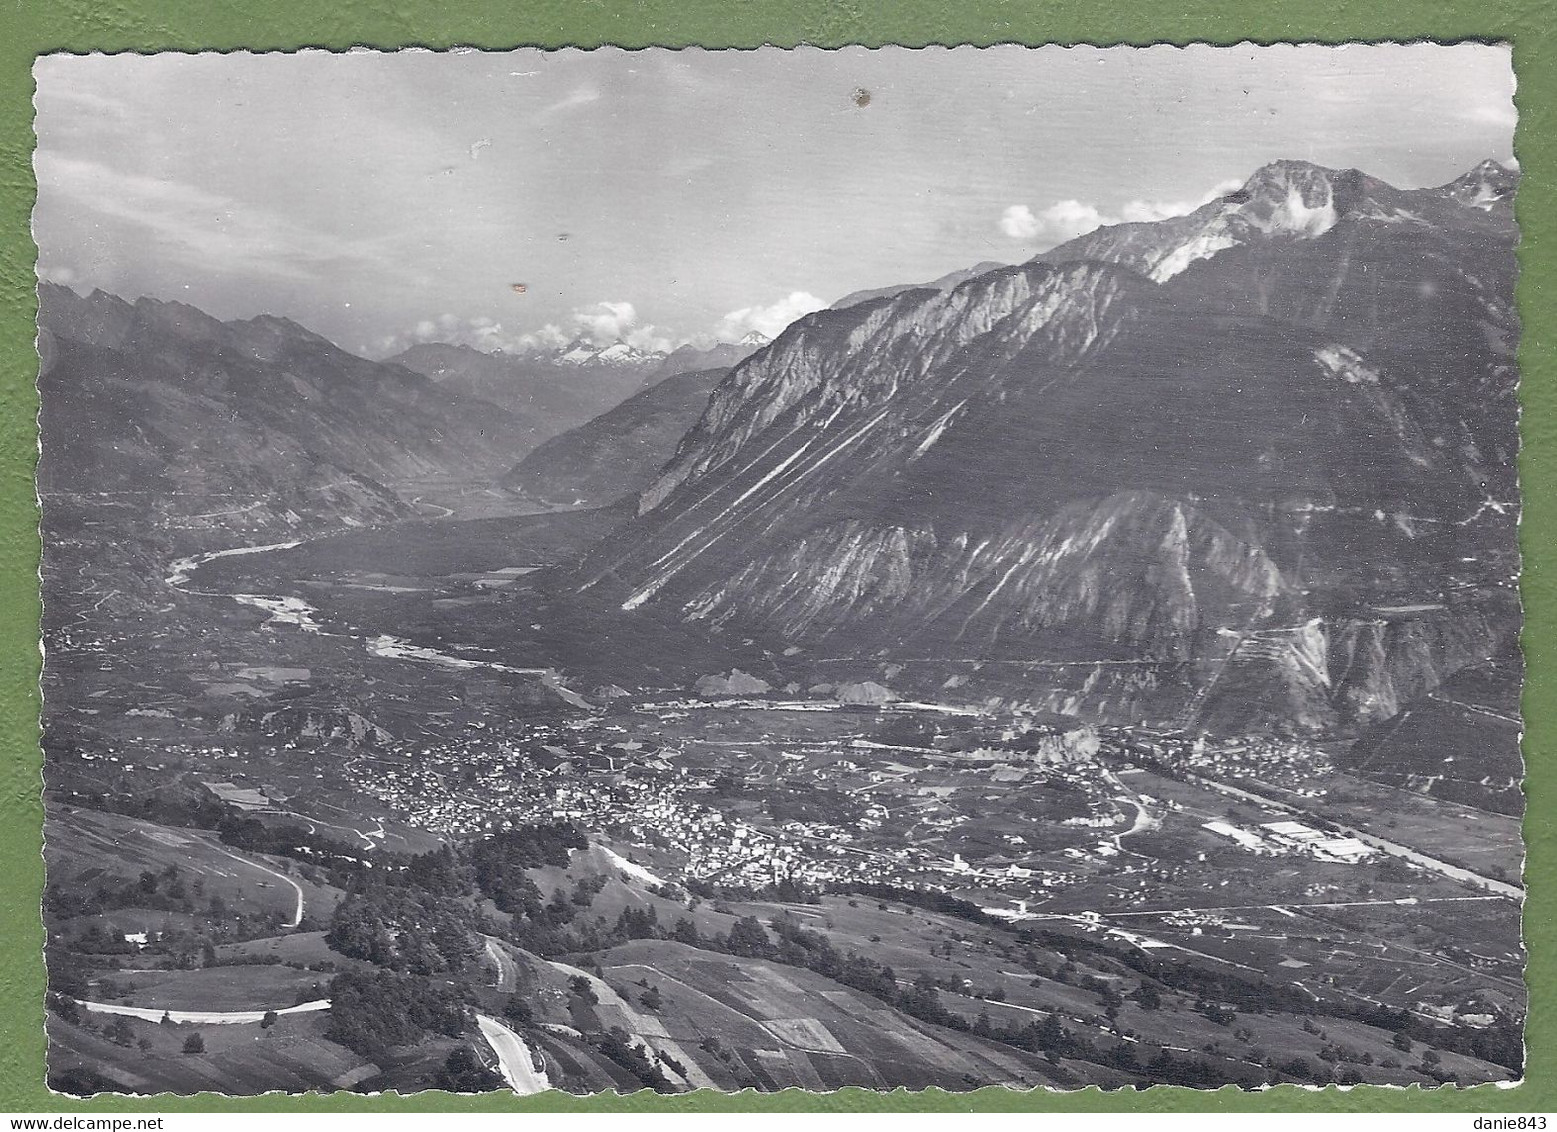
x,y
780,569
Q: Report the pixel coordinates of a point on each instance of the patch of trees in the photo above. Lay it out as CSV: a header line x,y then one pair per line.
x,y
371,1013
794,945
291,839
404,929
441,870
79,1081
68,974
583,990
500,861
785,891
164,891
182,809
618,1045
341,861
1501,1043
463,1072
120,1032
941,903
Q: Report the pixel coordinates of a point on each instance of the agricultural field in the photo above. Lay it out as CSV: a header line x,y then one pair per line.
x,y
761,1025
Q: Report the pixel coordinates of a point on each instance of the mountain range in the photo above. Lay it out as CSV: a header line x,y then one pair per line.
x,y
258,424
944,283
1251,467
618,453
553,390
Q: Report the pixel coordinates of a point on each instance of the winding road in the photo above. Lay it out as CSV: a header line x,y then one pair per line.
x,y
523,1071
205,1017
507,970
297,912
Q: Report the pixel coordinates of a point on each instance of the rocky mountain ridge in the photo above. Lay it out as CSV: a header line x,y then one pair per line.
x,y
1160,451
554,390
617,454
258,425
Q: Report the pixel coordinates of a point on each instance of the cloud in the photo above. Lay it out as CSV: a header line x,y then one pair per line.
x,y
578,96
549,337
1502,114
770,320
600,324
1019,223
604,323
1147,210
607,322
1067,219
209,231
1063,220
73,98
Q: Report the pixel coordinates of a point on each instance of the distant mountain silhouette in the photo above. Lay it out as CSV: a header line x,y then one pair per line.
x,y
163,400
618,453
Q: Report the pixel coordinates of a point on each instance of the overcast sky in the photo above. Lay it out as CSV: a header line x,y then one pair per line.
x,y
660,195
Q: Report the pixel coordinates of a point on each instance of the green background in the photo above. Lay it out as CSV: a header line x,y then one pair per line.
x,y
33,27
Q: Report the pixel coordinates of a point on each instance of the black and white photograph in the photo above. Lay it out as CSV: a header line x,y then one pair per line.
x,y
780,569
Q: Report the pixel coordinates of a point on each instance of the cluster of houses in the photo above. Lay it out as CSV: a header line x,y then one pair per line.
x,y
1291,766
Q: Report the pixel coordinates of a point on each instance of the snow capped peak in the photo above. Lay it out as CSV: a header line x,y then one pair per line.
x,y
576,353
1295,198
1484,186
754,338
581,351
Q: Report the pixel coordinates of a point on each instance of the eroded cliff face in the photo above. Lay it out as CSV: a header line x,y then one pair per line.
x,y
1134,574
1178,494
832,368
1380,665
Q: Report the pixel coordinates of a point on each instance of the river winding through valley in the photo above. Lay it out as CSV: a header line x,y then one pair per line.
x,y
288,609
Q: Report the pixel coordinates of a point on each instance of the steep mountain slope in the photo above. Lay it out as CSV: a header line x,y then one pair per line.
x,y
619,452
1293,200
258,421
1458,741
551,391
1205,448
944,283
547,394
720,355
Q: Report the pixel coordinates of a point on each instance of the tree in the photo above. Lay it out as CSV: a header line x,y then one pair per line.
x,y
749,938
1402,1043
584,989
372,1013
517,1010
652,999
268,1020
463,1072
194,1043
